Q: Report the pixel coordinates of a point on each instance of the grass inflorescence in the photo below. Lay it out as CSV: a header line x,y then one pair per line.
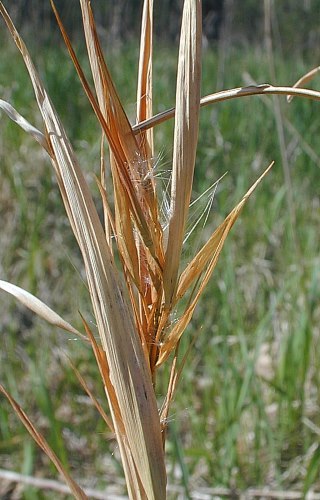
x,y
252,384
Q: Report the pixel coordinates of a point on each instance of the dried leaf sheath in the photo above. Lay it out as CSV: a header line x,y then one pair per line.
x,y
185,139
129,373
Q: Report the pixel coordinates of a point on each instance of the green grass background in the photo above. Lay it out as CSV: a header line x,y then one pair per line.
x,y
247,409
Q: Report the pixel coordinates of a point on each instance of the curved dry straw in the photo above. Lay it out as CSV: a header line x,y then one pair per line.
x,y
226,95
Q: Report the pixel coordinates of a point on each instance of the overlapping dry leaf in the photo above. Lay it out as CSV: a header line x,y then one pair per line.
x,y
185,140
25,125
114,316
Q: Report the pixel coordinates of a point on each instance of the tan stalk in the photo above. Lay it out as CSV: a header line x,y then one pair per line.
x,y
124,233
107,214
150,278
144,91
225,95
185,140
129,373
169,395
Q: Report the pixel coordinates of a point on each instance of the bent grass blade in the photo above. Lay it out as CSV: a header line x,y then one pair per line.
x,y
225,95
38,307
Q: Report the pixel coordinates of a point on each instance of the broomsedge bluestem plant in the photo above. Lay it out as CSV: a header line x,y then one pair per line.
x,y
133,301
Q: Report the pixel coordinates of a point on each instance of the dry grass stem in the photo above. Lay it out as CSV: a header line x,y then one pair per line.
x,y
225,95
185,140
133,264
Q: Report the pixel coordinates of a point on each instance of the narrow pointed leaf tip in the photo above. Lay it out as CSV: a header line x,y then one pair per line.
x,y
38,307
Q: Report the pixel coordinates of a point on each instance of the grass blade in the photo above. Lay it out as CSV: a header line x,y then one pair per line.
x,y
25,125
207,256
42,443
225,95
185,139
214,245
312,470
129,373
38,307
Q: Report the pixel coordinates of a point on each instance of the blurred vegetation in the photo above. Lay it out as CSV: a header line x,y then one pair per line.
x,y
247,410
296,21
